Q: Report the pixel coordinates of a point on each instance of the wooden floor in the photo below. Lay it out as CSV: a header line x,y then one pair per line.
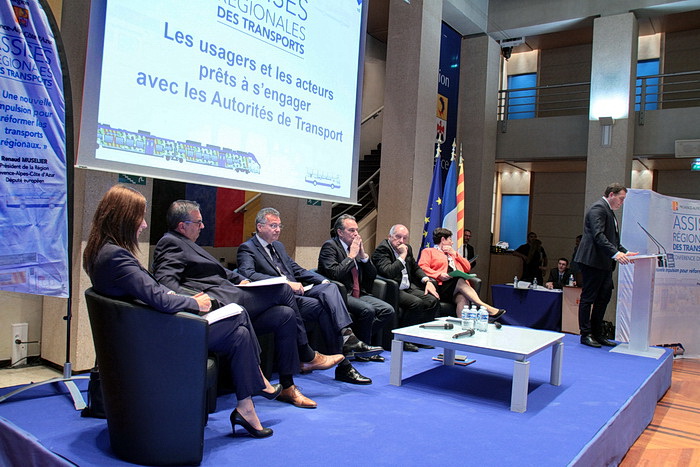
x,y
673,436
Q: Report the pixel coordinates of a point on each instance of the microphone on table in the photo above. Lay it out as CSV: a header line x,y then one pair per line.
x,y
438,326
497,324
468,333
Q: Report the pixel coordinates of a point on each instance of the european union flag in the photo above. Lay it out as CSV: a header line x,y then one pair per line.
x,y
433,214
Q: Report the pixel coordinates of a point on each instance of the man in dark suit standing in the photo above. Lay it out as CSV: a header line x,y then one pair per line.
x,y
417,294
263,256
599,251
344,259
559,276
182,266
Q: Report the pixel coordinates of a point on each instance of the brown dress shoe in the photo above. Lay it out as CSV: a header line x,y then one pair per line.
x,y
321,362
294,396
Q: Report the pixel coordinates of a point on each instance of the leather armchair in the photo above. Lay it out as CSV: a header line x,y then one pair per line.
x,y
156,377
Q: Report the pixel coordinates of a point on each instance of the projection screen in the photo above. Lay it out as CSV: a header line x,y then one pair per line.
x,y
259,95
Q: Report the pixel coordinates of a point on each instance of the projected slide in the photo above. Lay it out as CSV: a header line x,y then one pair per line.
x,y
252,94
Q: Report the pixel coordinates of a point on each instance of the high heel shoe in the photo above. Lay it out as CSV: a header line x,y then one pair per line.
x,y
237,419
496,315
272,395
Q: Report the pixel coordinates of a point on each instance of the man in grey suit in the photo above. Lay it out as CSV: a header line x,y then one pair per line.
x,y
343,258
599,251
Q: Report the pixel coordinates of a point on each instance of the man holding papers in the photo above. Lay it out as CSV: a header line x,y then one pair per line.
x,y
183,266
450,270
263,256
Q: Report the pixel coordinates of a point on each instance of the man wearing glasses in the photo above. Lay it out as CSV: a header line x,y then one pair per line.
x,y
263,256
185,267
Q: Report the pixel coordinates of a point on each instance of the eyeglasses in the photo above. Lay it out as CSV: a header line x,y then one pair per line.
x,y
275,226
199,222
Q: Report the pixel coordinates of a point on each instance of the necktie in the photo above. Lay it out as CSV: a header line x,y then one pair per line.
x,y
355,282
278,261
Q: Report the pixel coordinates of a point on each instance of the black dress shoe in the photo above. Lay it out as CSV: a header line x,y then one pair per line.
x,y
237,419
589,341
360,349
373,358
495,316
348,374
409,347
603,341
272,395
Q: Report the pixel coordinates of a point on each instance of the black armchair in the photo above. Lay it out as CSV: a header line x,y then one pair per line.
x,y
156,377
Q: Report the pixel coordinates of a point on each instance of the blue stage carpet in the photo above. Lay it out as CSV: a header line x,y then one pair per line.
x,y
439,416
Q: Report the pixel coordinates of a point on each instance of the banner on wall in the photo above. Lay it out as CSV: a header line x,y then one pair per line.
x,y
653,223
33,197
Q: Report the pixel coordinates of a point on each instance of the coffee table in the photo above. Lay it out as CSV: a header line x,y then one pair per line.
x,y
511,342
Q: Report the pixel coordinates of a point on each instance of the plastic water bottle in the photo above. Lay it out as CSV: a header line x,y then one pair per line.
x,y
482,320
470,322
534,283
465,317
572,281
515,282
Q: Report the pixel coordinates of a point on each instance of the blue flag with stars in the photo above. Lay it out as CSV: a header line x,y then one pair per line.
x,y
433,214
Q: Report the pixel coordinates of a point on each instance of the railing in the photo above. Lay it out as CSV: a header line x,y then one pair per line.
x,y
367,199
653,92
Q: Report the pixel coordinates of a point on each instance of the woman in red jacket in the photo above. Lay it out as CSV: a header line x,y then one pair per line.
x,y
437,262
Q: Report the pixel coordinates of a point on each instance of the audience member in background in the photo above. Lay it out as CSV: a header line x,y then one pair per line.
x,y
344,259
263,256
559,276
418,297
467,248
180,264
597,255
439,261
534,259
115,272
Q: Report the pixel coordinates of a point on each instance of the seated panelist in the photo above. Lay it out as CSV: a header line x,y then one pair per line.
x,y
115,272
438,261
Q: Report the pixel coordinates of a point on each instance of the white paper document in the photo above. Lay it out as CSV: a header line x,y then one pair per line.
x,y
270,281
232,309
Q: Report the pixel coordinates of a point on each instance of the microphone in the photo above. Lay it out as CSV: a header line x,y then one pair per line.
x,y
454,320
497,324
468,333
659,246
438,326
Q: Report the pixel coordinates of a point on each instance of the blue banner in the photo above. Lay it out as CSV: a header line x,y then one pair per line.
x,y
33,188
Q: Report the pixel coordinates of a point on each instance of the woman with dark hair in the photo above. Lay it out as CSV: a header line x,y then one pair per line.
x,y
115,272
437,262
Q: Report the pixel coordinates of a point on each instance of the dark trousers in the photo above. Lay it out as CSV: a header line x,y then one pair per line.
x,y
418,307
235,338
370,315
324,304
596,293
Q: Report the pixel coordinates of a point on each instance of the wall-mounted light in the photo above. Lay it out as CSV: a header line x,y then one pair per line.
x,y
606,125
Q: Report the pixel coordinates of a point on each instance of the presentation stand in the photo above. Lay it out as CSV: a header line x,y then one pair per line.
x,y
642,303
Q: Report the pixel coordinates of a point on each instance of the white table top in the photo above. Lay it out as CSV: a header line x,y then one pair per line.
x,y
514,342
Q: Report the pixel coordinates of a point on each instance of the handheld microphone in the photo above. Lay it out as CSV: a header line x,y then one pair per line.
x,y
497,324
468,333
454,320
438,326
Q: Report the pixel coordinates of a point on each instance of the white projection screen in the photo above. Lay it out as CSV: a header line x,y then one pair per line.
x,y
259,95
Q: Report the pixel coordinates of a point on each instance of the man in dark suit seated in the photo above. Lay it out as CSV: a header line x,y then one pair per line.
x,y
182,265
344,259
559,276
417,294
263,256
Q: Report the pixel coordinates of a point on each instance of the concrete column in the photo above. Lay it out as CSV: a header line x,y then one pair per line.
x,y
409,134
613,75
476,132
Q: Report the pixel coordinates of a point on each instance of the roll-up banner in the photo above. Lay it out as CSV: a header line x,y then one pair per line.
x,y
33,170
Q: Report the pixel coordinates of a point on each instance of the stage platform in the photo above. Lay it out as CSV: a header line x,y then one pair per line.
x,y
441,415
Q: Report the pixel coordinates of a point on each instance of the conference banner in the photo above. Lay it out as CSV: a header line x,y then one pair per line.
x,y
653,223
33,197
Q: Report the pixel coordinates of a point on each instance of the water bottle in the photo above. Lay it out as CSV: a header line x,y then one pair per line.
x,y
482,320
465,317
515,282
534,283
470,322
572,282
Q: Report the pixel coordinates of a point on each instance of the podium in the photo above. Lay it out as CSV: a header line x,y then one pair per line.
x,y
642,303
